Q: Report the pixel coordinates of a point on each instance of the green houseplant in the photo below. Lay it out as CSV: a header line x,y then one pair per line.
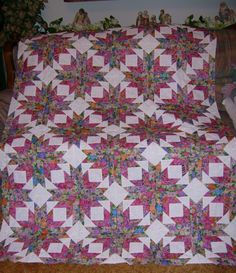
x,y
19,19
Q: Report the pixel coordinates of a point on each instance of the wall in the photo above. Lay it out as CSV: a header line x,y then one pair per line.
x,y
126,10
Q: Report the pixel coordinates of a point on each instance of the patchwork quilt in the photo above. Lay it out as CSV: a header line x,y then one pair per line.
x,y
114,151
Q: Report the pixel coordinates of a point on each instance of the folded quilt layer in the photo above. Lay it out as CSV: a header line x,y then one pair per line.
x,y
114,151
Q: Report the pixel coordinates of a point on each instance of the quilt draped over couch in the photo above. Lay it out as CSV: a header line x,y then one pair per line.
x,y
114,151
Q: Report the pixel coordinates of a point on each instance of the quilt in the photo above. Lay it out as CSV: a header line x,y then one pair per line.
x,y
114,151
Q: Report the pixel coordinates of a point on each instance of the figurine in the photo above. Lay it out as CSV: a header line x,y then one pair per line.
x,y
153,22
161,16
81,19
145,19
226,15
139,20
167,19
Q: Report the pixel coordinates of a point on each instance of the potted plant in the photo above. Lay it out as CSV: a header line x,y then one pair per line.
x,y
19,18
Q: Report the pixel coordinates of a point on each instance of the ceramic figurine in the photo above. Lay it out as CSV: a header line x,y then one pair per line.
x,y
226,15
153,21
139,19
81,19
161,16
145,18
167,19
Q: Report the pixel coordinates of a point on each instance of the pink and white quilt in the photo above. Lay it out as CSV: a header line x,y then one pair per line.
x,y
114,151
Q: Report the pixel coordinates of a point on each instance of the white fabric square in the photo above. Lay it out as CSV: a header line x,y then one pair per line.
x,y
197,63
198,95
165,93
57,176
216,209
156,231
63,90
165,60
174,171
176,210
181,78
78,232
136,212
97,213
165,30
79,105
98,61
95,175
168,118
59,214
55,248
24,118
30,90
15,247
177,247
131,60
64,59
135,173
47,75
115,194
18,142
20,177
148,107
93,139
131,92
198,35
135,247
218,247
195,190
39,130
32,60
131,120
172,138
39,195
97,92
4,160
216,169
133,139
74,156
22,214
114,77
148,43
95,118
55,141
154,153
60,118
82,45
95,248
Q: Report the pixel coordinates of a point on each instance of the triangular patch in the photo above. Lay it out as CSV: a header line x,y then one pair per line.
x,y
125,182
199,259
185,200
51,205
126,254
143,164
88,222
166,220
206,201
226,160
106,205
165,164
127,204
207,179
225,219
167,240
145,221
